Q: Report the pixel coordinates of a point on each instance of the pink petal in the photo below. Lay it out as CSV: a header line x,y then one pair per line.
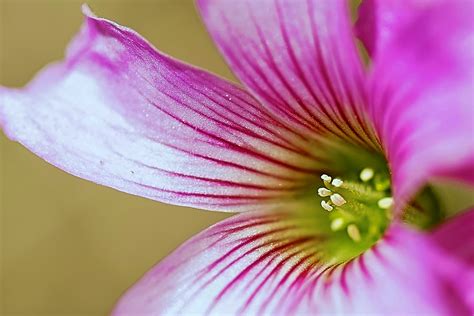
x,y
298,58
456,239
122,114
422,87
378,20
270,264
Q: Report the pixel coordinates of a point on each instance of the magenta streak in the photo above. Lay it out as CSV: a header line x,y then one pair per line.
x,y
301,280
212,136
271,118
329,278
206,271
224,162
259,114
271,62
231,164
254,264
363,267
220,182
237,128
288,111
367,135
343,277
242,243
247,226
379,255
305,82
284,279
302,76
272,274
230,145
205,195
312,284
243,130
226,233
367,132
347,92
302,276
173,63
244,218
324,71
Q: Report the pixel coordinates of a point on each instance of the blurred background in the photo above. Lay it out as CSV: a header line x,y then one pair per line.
x,y
68,246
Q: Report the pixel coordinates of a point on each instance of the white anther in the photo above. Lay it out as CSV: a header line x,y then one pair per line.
x,y
366,174
337,224
326,178
337,199
353,232
337,182
323,192
385,203
326,206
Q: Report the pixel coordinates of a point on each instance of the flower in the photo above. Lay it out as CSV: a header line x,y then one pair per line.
x,y
327,161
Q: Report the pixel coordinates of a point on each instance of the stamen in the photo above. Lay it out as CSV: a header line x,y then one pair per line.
x,y
353,232
385,203
337,224
357,216
326,206
337,182
366,174
323,192
326,178
337,199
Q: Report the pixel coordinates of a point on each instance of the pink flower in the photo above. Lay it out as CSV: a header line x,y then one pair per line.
x,y
315,150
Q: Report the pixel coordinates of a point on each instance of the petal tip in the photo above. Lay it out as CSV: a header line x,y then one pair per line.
x,y
86,10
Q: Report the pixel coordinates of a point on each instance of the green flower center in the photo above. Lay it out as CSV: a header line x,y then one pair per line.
x,y
356,203
361,208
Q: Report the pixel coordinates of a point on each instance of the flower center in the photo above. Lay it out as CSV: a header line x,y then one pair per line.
x,y
354,204
361,207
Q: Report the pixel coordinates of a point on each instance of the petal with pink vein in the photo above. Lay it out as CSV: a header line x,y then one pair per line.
x,y
122,114
299,58
422,95
274,263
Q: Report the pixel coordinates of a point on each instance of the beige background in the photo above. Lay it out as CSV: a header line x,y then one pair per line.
x,y
70,247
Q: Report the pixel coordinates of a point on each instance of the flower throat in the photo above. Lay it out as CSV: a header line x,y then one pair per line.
x,y
356,198
361,208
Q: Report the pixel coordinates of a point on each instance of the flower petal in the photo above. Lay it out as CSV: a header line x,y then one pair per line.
x,y
297,57
119,113
379,19
456,239
271,264
422,87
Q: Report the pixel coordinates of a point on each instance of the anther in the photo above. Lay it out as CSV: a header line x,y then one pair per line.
x,y
326,178
337,199
326,206
323,192
366,174
385,203
337,182
353,232
337,224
